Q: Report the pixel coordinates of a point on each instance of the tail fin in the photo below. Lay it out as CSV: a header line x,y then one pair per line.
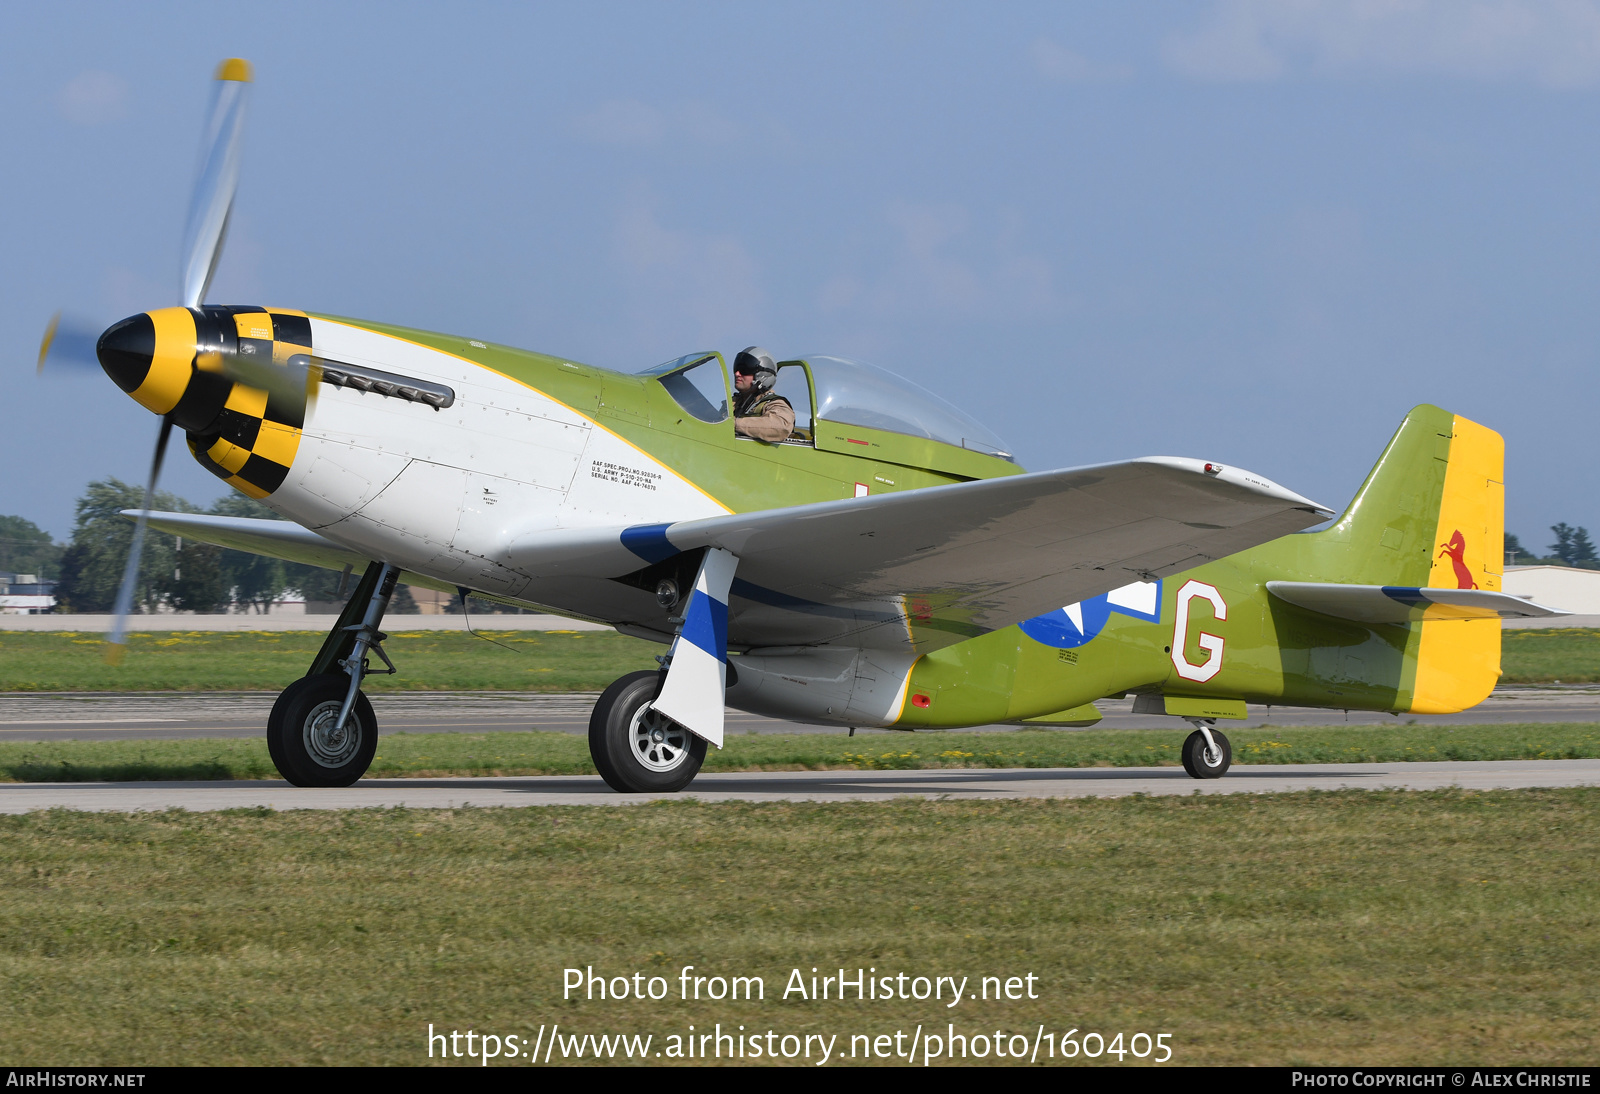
x,y
1431,514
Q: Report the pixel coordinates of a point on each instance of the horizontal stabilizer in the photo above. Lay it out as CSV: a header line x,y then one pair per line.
x,y
1406,604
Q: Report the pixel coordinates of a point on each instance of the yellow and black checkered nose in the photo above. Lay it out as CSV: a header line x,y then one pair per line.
x,y
174,362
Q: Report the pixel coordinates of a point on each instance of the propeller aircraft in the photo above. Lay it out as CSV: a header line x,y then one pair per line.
x,y
885,564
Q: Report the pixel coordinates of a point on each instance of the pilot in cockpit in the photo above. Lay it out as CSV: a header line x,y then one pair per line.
x,y
758,411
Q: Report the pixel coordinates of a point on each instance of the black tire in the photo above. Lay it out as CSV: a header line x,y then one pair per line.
x,y
298,738
1201,766
633,755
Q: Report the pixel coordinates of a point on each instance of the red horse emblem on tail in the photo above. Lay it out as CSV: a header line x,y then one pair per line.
x,y
1456,548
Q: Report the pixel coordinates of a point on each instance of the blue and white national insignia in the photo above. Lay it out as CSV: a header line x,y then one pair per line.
x,y
1073,626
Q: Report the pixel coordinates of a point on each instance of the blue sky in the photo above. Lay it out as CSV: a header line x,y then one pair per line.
x,y
1249,232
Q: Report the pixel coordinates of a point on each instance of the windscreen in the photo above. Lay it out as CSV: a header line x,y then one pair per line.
x,y
701,389
677,363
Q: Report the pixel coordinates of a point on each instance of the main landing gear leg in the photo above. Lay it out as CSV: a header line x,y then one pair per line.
x,y
637,745
322,731
1206,752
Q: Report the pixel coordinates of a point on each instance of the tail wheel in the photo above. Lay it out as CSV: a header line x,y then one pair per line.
x,y
1201,761
304,739
636,748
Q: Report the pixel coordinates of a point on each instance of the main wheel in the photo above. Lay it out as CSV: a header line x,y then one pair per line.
x,y
1202,763
303,742
637,749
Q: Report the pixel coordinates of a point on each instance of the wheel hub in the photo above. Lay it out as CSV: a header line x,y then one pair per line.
x,y
659,743
326,744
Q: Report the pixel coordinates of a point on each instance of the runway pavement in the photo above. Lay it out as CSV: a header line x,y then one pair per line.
x,y
816,786
169,715
287,621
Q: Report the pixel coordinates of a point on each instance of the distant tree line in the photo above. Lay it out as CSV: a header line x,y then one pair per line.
x,y
25,548
1572,547
174,572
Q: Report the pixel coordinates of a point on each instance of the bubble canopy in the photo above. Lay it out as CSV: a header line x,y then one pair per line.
x,y
858,393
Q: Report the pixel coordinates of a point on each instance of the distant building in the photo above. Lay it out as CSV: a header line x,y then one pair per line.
x,y
25,594
430,601
1565,587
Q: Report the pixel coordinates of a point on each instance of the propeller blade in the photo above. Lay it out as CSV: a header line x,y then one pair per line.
x,y
68,343
117,642
212,202
292,383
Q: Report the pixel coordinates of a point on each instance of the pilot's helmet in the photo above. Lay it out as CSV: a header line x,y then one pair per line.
x,y
758,364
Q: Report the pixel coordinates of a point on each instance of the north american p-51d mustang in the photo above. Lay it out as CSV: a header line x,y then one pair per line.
x,y
885,564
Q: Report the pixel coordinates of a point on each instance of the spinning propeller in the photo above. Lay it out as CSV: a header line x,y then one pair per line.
x,y
162,358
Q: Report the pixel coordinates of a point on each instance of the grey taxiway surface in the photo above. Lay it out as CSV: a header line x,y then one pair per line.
x,y
153,716
243,714
817,786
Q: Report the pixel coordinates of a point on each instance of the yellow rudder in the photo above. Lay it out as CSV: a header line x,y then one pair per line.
x,y
1458,661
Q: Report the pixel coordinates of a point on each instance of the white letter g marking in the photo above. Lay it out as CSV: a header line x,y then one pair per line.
x,y
1212,644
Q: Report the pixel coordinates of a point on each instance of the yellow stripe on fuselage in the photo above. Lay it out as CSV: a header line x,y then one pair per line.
x,y
1458,661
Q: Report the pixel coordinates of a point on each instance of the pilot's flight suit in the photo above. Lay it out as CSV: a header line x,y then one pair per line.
x,y
769,418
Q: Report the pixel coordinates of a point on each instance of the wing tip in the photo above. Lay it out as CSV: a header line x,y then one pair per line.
x,y
1239,477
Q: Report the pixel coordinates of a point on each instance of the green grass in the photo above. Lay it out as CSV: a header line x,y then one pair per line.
x,y
1568,654
270,661
436,754
1354,927
454,661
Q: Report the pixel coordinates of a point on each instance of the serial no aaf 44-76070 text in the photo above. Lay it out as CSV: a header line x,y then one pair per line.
x,y
881,561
